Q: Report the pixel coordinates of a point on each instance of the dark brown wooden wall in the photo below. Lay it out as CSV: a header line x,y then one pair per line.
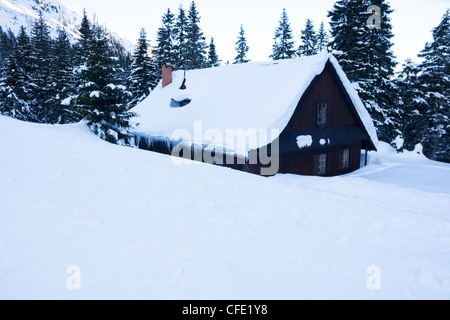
x,y
325,88
340,113
305,162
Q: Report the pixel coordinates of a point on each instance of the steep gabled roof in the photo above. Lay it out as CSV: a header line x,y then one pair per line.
x,y
249,97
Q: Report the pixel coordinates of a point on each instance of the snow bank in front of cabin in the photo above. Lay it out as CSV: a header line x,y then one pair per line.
x,y
129,224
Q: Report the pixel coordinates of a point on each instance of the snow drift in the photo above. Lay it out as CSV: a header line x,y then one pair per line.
x,y
130,224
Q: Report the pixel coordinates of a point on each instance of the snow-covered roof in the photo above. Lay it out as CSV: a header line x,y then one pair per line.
x,y
251,97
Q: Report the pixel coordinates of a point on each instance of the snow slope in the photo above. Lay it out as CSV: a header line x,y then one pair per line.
x,y
137,226
15,13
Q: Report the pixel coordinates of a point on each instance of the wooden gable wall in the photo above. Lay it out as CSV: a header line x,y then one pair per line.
x,y
325,88
341,116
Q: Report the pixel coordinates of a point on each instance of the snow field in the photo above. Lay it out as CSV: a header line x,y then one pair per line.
x,y
140,227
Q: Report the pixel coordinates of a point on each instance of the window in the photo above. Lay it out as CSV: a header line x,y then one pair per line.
x,y
322,164
322,113
346,159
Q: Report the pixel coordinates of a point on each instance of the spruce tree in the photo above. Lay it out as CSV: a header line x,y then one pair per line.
x,y
2,49
124,60
322,38
241,48
62,81
41,64
413,106
181,42
165,48
196,45
309,40
82,52
22,54
348,22
435,83
7,45
100,97
143,71
23,51
283,47
365,55
83,45
13,92
381,68
213,58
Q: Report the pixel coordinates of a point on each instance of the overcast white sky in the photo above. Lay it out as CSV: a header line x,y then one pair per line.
x,y
412,20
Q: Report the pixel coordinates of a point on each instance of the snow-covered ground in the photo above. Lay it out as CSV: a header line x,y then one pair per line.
x,y
84,219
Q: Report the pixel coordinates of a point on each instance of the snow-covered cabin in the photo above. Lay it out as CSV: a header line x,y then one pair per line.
x,y
299,116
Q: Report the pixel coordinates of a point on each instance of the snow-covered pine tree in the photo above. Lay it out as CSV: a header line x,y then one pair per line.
x,y
2,54
413,106
181,44
23,51
365,55
283,48
308,46
241,48
2,49
22,56
124,62
348,23
3,65
7,45
143,71
435,81
83,51
213,59
15,69
165,47
322,38
13,91
62,82
196,45
381,65
99,96
82,47
41,43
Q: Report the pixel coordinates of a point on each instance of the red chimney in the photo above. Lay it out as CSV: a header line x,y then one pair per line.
x,y
166,75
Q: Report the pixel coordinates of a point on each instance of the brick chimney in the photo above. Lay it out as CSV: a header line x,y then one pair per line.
x,y
166,75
